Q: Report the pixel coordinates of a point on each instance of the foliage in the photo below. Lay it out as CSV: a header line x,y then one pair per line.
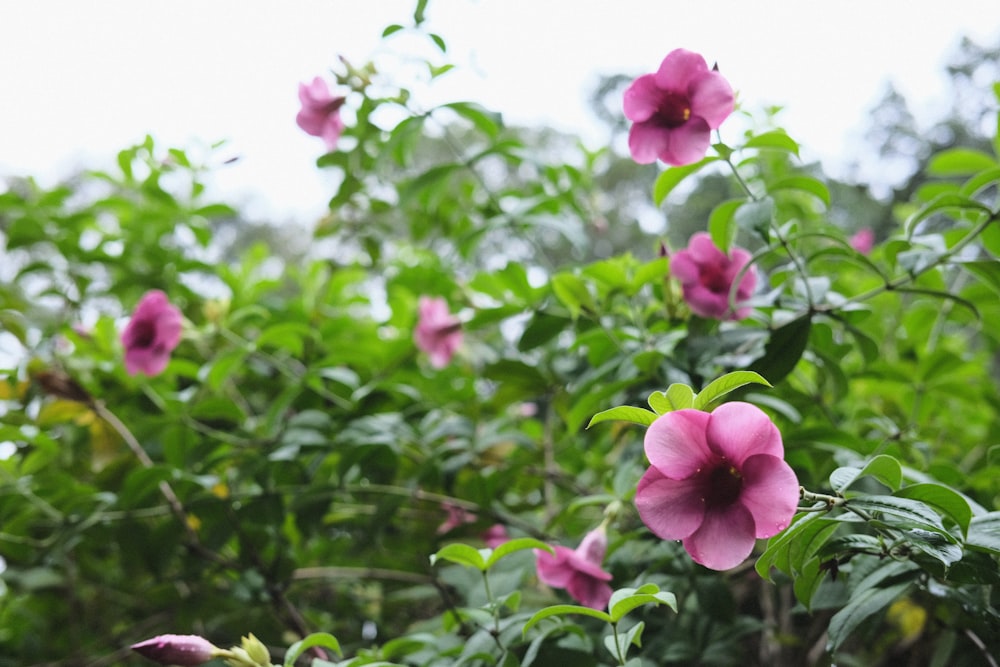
x,y
292,471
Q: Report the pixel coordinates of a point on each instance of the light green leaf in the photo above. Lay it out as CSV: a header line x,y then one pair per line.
x,y
676,397
562,610
573,293
775,139
463,554
672,176
960,162
725,384
806,184
513,546
627,413
988,273
722,223
316,639
626,599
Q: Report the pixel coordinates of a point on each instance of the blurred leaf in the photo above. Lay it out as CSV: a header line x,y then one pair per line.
x,y
316,639
783,350
806,184
513,546
863,605
960,162
722,223
775,139
464,555
671,177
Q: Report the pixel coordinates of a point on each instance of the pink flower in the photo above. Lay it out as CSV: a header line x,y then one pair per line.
x,y
495,535
438,332
863,241
176,649
579,570
674,110
151,335
457,516
320,114
716,481
707,274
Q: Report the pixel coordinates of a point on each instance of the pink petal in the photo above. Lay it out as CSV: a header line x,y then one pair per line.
x,y
687,143
672,509
711,98
704,302
586,567
590,592
770,493
554,570
739,430
676,444
704,251
683,267
641,99
725,538
646,141
679,69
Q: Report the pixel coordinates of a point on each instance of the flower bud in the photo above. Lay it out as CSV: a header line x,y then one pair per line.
x,y
256,650
181,650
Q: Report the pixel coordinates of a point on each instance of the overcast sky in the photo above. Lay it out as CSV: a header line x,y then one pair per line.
x,y
80,80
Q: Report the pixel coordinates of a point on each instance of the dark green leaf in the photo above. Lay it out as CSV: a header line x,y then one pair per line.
x,y
783,350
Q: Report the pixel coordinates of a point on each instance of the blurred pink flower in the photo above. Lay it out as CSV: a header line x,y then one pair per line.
x,y
674,110
457,516
495,535
579,570
707,274
716,481
320,114
176,649
863,241
438,332
152,334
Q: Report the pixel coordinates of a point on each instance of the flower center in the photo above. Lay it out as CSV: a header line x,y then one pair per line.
x,y
725,484
145,334
673,110
714,279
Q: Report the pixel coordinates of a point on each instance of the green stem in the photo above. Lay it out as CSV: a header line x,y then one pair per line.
x,y
618,646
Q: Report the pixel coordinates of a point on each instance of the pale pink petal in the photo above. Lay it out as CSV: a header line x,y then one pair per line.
x,y
703,250
646,141
672,509
711,98
554,570
590,592
641,99
863,241
739,430
683,267
676,444
316,94
770,492
152,333
738,258
679,69
725,538
687,143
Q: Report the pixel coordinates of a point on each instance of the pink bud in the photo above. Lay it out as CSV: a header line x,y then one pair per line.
x,y
181,650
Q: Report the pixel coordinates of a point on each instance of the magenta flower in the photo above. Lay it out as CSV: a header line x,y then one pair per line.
x,y
707,274
457,516
716,481
152,334
495,535
674,110
320,114
863,241
438,332
176,649
579,570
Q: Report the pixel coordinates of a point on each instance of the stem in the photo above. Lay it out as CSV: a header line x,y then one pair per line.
x,y
618,646
829,502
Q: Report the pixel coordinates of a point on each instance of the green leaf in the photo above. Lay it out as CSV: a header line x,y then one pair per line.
x,y
775,139
944,202
463,554
513,546
725,384
808,579
671,177
960,162
627,413
676,397
439,41
626,599
783,349
984,533
562,610
573,293
988,273
618,644
862,606
390,29
806,184
756,216
884,468
316,639
903,512
807,535
943,498
487,122
722,223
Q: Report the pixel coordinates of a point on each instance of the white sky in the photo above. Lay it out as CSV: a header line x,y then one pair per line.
x,y
80,80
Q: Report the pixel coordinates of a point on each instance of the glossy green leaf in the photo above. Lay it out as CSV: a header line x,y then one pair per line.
x,y
625,600
463,554
783,349
899,512
563,610
984,533
676,397
513,546
807,535
627,413
774,139
719,387
884,468
943,498
314,640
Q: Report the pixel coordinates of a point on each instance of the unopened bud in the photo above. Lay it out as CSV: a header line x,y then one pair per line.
x,y
181,650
